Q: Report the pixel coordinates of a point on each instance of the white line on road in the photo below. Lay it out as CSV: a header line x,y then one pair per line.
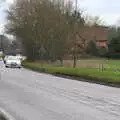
x,y
6,114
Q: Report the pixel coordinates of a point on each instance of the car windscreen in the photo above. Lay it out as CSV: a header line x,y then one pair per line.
x,y
12,58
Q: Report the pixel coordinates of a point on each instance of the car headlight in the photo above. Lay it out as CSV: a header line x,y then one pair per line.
x,y
19,63
8,62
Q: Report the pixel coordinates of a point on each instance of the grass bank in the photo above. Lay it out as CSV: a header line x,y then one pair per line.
x,y
91,75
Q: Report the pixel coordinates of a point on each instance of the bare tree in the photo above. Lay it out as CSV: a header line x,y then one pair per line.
x,y
39,23
93,20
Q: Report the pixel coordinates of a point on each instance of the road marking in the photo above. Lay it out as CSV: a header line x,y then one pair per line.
x,y
6,114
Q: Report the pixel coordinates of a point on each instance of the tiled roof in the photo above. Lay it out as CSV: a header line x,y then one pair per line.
x,y
94,33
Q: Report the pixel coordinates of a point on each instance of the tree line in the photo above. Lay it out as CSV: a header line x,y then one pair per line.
x,y
44,27
48,29
114,43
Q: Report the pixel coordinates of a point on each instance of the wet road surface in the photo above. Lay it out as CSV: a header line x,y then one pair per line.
x,y
28,95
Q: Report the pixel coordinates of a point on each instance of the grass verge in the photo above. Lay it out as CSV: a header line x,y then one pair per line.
x,y
90,75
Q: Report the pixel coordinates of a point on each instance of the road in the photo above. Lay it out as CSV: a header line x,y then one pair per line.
x,y
28,95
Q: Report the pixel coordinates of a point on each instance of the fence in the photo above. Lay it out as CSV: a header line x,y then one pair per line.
x,y
99,64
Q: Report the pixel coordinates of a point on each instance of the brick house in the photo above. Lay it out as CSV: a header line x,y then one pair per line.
x,y
97,34
84,36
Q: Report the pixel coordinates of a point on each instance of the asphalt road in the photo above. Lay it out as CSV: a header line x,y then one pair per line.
x,y
27,95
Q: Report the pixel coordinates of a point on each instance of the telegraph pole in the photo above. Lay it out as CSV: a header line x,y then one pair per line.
x,y
76,5
75,32
1,42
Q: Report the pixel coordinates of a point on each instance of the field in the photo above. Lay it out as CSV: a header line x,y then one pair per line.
x,y
100,64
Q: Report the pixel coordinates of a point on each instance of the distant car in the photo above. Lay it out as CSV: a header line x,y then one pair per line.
x,y
6,57
22,58
19,56
12,61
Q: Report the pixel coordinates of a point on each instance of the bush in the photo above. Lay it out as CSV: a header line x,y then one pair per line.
x,y
92,48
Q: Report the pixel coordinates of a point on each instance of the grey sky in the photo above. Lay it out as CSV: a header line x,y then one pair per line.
x,y
108,10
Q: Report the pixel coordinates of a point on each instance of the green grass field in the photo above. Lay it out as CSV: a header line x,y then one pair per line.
x,y
98,75
101,64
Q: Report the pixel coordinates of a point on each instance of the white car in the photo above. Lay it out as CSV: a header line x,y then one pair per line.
x,y
5,58
13,61
22,58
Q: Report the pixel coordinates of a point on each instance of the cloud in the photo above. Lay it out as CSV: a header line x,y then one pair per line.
x,y
9,1
4,6
107,9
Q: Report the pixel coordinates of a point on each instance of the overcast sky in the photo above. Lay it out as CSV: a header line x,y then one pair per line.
x,y
108,10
